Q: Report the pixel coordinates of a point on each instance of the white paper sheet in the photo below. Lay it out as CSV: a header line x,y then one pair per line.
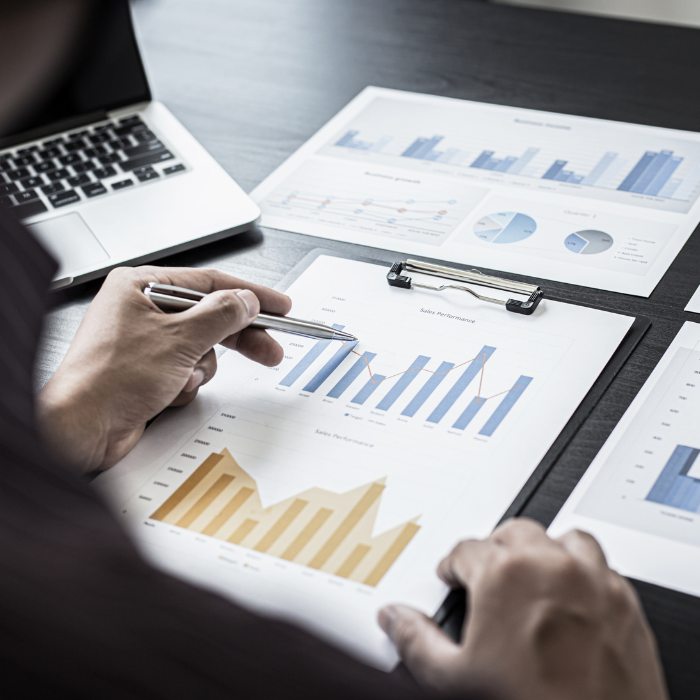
x,y
694,303
314,438
641,495
591,202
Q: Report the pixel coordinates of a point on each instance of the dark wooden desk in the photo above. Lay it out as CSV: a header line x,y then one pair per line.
x,y
254,80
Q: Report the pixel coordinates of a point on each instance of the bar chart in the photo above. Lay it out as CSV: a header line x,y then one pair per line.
x,y
319,529
675,487
356,383
652,173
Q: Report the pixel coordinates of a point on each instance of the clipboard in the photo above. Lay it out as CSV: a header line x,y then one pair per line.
x,y
451,614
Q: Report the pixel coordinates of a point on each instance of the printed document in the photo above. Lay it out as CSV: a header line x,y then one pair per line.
x,y
641,495
327,487
694,303
591,202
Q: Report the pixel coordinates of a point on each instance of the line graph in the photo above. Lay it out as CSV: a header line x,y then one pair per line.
x,y
436,373
472,374
365,207
402,211
421,209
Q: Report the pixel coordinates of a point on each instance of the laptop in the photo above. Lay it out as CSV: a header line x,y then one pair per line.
x,y
106,176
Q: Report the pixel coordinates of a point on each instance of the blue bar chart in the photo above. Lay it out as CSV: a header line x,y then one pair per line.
x,y
652,173
406,392
674,487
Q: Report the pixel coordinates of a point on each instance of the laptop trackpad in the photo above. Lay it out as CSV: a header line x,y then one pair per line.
x,y
71,242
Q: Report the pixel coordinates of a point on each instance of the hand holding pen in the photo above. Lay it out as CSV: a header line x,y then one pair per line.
x,y
129,360
171,298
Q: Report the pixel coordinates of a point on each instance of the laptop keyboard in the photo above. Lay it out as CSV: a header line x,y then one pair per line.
x,y
80,165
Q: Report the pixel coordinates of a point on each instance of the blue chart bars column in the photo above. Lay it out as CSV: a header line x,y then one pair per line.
x,y
652,174
399,393
674,487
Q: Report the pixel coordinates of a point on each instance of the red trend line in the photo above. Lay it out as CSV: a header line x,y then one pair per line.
x,y
479,398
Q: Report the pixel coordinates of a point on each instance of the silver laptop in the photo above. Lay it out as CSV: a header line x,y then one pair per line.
x,y
104,175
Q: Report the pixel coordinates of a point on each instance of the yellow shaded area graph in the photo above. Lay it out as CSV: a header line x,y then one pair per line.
x,y
320,529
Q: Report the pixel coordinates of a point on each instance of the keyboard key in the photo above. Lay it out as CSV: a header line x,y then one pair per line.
x,y
24,211
145,174
75,145
104,173
120,144
63,199
84,167
133,119
78,134
174,169
79,180
49,153
29,149
94,189
10,188
150,159
95,152
18,174
6,202
102,127
26,196
53,142
144,148
96,139
145,135
45,166
110,158
58,174
53,188
121,185
23,161
70,159
32,182
5,165
130,128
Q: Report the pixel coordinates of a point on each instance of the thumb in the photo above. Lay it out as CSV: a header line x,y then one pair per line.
x,y
421,644
219,315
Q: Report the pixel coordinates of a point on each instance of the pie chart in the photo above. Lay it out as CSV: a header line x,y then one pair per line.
x,y
504,227
588,242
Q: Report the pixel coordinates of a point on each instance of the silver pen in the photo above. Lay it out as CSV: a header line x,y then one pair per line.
x,y
170,298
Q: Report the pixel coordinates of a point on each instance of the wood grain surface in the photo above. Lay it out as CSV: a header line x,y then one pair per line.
x,y
254,80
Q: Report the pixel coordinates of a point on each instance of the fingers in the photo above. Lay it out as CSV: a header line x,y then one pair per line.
x,y
207,281
518,532
256,345
202,372
218,316
459,567
583,546
470,557
421,644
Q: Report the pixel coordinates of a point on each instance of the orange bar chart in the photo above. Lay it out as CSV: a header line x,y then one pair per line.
x,y
320,529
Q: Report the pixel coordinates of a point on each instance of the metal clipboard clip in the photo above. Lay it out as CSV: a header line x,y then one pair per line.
x,y
396,278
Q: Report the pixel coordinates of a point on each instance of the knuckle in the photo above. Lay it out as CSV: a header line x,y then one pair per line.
x,y
407,633
118,274
512,567
621,595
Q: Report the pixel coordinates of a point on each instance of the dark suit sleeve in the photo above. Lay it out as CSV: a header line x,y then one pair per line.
x,y
81,613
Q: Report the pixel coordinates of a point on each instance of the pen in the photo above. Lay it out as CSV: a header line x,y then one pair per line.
x,y
170,298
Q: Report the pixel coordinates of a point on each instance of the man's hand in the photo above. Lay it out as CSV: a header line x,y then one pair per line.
x,y
548,620
129,360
